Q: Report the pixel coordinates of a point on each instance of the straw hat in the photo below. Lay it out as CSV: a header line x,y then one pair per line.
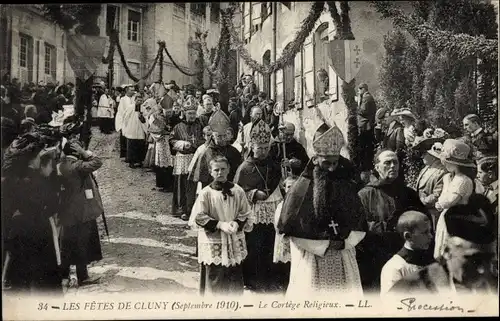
x,y
403,112
457,153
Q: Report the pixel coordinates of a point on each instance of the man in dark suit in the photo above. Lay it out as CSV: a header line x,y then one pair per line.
x,y
483,142
366,122
466,266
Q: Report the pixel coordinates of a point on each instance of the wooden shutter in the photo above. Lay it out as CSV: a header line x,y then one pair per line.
x,y
289,83
256,14
30,59
279,85
309,70
246,20
298,80
53,63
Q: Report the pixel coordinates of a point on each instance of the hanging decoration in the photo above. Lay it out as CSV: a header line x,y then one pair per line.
x,y
161,58
289,53
178,67
342,24
463,46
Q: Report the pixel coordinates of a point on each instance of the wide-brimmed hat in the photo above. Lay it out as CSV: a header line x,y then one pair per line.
x,y
435,150
403,112
457,153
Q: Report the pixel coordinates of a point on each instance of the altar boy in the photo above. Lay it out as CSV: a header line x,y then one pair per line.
x,y
221,212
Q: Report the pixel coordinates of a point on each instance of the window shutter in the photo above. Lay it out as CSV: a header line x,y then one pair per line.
x,y
309,69
256,13
246,20
298,79
53,63
279,85
30,59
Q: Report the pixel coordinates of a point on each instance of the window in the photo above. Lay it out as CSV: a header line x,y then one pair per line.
x,y
23,52
198,8
50,61
266,9
289,82
134,22
321,62
266,60
179,10
112,18
215,12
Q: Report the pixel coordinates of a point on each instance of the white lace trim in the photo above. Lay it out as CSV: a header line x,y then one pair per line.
x,y
221,249
264,211
181,163
281,249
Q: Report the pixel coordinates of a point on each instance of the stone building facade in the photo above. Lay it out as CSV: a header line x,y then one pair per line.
x,y
299,82
33,49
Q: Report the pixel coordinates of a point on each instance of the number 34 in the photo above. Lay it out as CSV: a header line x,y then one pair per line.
x,y
43,306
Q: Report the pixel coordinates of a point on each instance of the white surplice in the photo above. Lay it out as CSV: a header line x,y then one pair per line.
x,y
218,247
318,269
105,107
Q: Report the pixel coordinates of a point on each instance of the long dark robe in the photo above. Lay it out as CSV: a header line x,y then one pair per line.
x,y
383,203
318,198
183,189
28,234
259,271
136,151
293,150
123,146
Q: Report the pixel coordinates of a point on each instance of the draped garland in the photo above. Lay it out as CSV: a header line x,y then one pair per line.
x,y
289,53
463,46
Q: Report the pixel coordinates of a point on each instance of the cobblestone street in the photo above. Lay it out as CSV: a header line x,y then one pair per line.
x,y
147,248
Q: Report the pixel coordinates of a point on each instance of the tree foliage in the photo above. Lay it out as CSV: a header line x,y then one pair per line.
x,y
447,80
82,17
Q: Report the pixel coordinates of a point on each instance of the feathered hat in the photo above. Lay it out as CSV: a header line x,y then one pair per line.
x,y
328,141
260,133
219,122
189,104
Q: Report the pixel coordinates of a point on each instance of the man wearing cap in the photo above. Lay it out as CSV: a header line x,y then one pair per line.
x,y
259,176
324,218
466,265
430,180
185,138
217,146
366,123
383,198
287,151
126,104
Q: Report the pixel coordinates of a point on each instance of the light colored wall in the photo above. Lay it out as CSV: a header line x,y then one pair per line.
x,y
28,21
367,26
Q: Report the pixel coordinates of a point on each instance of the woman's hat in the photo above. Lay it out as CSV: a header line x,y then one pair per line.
x,y
403,112
435,150
430,137
380,114
457,153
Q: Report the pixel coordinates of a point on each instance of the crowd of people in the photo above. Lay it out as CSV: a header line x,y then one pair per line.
x,y
269,217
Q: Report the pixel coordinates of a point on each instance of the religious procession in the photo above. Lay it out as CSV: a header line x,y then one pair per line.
x,y
359,157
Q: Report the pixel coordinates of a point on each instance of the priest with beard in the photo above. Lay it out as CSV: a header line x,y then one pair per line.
x,y
324,218
217,146
287,151
185,138
259,176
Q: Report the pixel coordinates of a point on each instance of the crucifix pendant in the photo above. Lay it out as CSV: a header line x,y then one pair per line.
x,y
334,226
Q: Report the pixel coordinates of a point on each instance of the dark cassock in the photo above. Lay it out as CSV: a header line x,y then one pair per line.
x,y
159,129
467,266
185,138
324,218
259,176
208,111
218,146
134,129
126,103
382,200
287,147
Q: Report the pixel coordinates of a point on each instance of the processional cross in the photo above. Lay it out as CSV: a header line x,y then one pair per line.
x,y
334,226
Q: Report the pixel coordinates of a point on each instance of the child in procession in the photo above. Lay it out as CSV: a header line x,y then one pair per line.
x,y
222,215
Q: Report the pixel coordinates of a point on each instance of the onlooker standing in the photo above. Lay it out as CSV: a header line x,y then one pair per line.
x,y
366,122
82,205
482,142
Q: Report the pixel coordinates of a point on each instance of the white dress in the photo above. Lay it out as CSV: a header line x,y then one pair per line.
x,y
453,188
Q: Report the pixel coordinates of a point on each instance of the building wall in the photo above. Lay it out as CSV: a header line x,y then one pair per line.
x,y
27,20
367,26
